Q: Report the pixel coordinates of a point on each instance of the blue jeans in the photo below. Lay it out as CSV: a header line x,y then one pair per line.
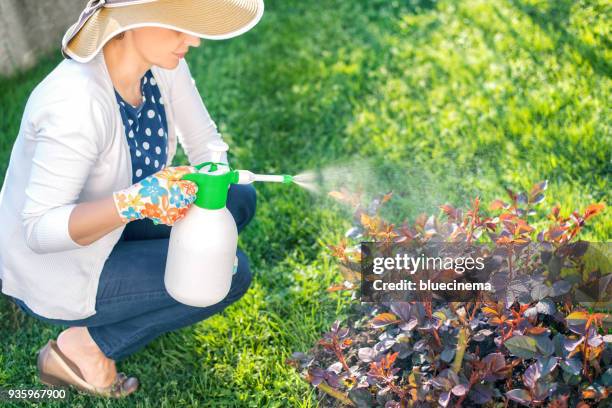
x,y
132,304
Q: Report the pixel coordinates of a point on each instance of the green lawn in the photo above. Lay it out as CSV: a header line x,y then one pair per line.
x,y
458,98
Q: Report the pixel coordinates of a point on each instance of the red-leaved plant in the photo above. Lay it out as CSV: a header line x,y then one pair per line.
x,y
532,345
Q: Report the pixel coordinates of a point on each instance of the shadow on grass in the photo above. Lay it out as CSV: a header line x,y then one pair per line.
x,y
554,21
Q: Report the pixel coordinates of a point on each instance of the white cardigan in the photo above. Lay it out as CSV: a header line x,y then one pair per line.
x,y
72,148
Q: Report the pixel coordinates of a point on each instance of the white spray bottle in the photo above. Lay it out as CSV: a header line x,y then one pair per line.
x,y
202,247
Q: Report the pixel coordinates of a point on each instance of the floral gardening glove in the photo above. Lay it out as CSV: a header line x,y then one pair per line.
x,y
163,197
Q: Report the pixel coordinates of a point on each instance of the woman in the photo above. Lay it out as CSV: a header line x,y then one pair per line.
x,y
84,241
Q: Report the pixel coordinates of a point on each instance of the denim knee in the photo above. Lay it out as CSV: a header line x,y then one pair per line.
x,y
250,200
242,203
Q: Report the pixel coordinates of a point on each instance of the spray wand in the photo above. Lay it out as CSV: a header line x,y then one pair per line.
x,y
247,177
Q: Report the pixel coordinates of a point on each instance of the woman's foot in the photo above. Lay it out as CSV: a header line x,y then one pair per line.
x,y
80,348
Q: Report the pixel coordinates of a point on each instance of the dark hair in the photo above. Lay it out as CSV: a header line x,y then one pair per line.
x,y
120,35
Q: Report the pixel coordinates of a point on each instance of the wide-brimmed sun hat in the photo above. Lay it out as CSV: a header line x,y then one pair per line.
x,y
101,20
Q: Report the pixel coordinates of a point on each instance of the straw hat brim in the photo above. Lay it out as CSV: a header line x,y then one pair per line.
x,y
208,19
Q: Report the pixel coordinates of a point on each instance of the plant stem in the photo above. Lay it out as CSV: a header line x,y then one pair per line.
x,y
340,396
585,361
510,253
462,343
340,357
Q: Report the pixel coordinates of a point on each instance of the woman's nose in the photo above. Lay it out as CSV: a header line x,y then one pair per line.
x,y
192,40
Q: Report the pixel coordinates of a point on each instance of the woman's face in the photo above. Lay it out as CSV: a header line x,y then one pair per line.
x,y
162,47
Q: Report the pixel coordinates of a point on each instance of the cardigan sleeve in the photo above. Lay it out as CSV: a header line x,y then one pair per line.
x,y
66,135
195,128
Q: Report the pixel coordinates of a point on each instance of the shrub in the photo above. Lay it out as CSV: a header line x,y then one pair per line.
x,y
531,344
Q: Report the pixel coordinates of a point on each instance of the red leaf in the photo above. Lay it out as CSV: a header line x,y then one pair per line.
x,y
538,188
384,319
497,205
593,209
386,197
450,211
536,330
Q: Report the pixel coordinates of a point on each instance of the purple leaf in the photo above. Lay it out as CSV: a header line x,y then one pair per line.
x,y
474,323
459,390
606,378
542,391
317,376
519,395
570,344
332,379
362,398
531,313
538,198
546,306
522,346
316,381
495,362
420,345
560,287
482,334
402,310
571,366
595,341
319,372
531,375
384,345
578,328
343,332
444,398
539,187
451,375
407,326
539,291
447,354
402,347
481,394
558,341
545,345
336,367
441,383
367,354
546,365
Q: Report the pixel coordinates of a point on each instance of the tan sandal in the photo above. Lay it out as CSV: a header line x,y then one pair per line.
x,y
55,369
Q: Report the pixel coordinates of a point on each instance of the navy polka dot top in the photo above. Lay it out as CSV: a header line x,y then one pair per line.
x,y
146,129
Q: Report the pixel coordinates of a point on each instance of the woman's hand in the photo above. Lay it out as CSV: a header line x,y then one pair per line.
x,y
163,196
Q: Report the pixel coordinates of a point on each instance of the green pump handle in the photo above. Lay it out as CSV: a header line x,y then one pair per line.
x,y
212,188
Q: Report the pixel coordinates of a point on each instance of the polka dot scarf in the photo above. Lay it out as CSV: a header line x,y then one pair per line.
x,y
146,129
